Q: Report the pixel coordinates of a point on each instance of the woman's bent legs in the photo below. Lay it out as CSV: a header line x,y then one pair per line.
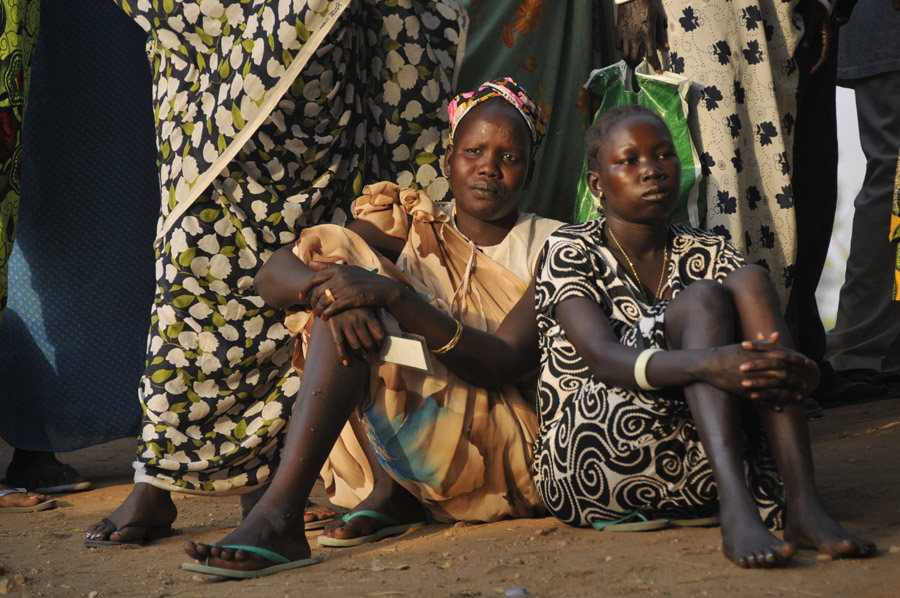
x,y
702,317
807,522
328,394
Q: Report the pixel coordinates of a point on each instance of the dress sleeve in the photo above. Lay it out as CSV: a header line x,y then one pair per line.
x,y
728,259
565,270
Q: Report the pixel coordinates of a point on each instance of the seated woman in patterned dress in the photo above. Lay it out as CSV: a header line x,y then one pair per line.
x,y
455,443
626,436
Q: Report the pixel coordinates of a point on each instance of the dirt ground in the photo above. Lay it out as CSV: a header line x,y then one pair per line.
x,y
856,450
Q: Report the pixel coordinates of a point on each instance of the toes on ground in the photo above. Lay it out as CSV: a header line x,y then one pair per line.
x,y
856,549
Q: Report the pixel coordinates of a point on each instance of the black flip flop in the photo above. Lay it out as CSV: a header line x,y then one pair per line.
x,y
153,533
64,479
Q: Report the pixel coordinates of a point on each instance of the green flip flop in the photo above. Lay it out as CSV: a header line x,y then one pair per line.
x,y
281,564
633,522
696,521
392,528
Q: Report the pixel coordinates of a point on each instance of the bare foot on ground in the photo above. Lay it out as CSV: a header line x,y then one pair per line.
x,y
316,513
810,526
20,499
748,544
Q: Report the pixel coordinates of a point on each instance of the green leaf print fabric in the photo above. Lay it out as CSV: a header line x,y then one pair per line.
x,y
369,105
18,34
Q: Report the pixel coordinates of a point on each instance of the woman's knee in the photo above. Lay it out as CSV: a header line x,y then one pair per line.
x,y
703,313
704,299
749,279
758,308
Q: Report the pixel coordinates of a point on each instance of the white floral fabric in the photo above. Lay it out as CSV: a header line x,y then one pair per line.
x,y
369,105
740,56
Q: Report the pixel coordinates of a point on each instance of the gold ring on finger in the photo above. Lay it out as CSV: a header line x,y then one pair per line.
x,y
330,295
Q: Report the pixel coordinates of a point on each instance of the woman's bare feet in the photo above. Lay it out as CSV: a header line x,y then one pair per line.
x,y
387,498
317,515
810,526
147,510
748,544
265,527
17,499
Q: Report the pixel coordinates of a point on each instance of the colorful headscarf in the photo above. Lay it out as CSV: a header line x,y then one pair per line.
x,y
510,91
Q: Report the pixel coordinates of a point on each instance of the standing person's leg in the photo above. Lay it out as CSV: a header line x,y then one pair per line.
x,y
148,511
808,523
868,321
41,471
34,470
814,183
702,317
327,397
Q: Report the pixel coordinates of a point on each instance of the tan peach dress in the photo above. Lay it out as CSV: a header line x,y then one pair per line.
x,y
465,452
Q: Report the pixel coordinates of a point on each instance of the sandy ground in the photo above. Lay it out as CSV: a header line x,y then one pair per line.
x,y
856,450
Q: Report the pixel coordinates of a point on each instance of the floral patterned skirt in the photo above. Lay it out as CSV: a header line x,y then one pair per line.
x,y
370,105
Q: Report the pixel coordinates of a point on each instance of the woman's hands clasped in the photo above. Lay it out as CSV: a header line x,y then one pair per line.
x,y
345,297
761,370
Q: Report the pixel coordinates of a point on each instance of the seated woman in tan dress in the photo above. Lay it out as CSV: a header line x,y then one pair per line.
x,y
454,443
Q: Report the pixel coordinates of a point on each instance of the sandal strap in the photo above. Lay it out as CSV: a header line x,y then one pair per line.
x,y
381,517
266,554
114,529
627,518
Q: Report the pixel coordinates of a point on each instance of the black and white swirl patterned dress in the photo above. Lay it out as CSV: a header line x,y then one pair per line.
x,y
604,452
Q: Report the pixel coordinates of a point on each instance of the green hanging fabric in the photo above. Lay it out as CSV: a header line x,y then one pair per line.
x,y
18,34
549,49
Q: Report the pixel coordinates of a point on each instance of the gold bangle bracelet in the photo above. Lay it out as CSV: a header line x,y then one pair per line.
x,y
452,342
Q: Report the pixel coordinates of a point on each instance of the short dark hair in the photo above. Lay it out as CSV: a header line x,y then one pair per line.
x,y
595,136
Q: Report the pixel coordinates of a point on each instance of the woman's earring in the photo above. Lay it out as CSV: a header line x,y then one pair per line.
x,y
598,199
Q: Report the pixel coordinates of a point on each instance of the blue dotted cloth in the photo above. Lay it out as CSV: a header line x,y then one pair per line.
x,y
73,337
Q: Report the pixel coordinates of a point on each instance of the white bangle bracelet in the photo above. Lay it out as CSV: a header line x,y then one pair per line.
x,y
640,369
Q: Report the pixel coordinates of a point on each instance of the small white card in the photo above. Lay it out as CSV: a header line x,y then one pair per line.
x,y
408,350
